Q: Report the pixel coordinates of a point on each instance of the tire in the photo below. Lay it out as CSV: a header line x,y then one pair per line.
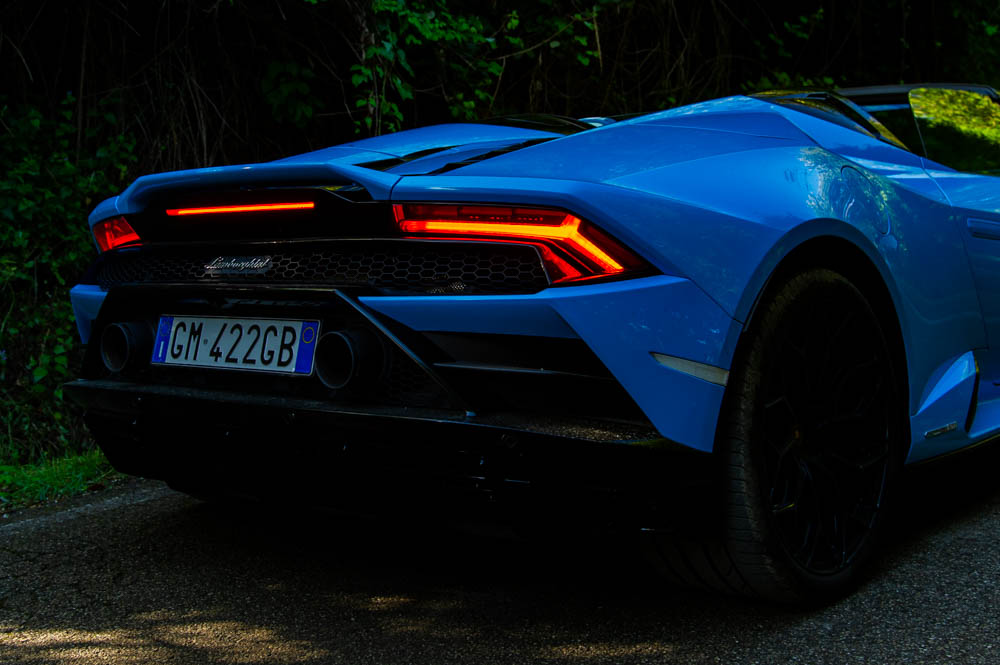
x,y
810,443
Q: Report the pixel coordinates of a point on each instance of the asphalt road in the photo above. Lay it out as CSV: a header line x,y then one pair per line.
x,y
145,575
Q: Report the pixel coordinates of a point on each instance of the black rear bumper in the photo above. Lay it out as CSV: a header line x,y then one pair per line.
x,y
392,458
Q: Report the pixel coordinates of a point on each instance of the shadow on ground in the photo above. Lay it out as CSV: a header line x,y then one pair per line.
x,y
173,580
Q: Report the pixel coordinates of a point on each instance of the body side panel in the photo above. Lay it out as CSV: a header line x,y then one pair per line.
x,y
623,323
976,201
939,425
725,222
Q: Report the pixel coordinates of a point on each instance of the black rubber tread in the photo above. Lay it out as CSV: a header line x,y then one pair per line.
x,y
737,558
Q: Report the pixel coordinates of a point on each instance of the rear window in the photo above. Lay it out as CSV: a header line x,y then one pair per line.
x,y
899,120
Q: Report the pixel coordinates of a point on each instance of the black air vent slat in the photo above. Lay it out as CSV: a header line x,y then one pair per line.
x,y
451,166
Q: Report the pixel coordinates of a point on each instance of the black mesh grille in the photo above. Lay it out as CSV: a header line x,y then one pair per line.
x,y
402,266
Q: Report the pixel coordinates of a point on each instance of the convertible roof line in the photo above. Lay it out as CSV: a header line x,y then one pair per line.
x,y
876,94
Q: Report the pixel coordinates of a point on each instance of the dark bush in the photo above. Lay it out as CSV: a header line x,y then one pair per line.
x,y
52,178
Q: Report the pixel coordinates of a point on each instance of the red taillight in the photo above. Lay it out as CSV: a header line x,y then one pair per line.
x,y
115,232
572,249
257,207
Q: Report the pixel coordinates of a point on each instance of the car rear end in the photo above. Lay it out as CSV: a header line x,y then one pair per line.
x,y
313,335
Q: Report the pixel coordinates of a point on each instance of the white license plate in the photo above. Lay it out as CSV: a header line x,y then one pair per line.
x,y
261,345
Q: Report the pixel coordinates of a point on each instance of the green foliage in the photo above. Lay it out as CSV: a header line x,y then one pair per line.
x,y
56,168
287,90
960,128
461,55
967,111
27,484
778,49
980,51
384,77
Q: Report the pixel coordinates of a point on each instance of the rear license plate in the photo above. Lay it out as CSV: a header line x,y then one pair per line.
x,y
260,345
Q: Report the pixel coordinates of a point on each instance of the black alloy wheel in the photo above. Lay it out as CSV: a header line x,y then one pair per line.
x,y
825,441
811,442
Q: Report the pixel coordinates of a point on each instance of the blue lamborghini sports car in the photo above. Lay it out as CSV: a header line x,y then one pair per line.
x,y
727,325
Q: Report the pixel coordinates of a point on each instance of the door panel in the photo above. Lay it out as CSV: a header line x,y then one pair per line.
x,y
976,199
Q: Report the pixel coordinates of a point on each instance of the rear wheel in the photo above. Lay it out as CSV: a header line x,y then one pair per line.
x,y
811,439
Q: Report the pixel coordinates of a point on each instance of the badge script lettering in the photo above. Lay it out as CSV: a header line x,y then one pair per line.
x,y
238,265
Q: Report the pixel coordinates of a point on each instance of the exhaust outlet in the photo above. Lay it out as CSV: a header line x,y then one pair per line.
x,y
349,358
123,344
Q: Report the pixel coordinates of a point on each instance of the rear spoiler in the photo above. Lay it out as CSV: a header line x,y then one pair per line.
x,y
136,198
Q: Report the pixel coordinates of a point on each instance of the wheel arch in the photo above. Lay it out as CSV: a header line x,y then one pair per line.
x,y
865,270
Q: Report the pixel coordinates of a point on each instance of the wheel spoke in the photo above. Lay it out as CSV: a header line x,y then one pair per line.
x,y
875,457
826,431
777,510
782,401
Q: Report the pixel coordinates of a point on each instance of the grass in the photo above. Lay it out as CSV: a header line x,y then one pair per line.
x,y
29,484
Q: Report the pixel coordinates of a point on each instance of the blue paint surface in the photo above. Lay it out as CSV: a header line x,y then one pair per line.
x,y
622,322
947,404
86,300
715,196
